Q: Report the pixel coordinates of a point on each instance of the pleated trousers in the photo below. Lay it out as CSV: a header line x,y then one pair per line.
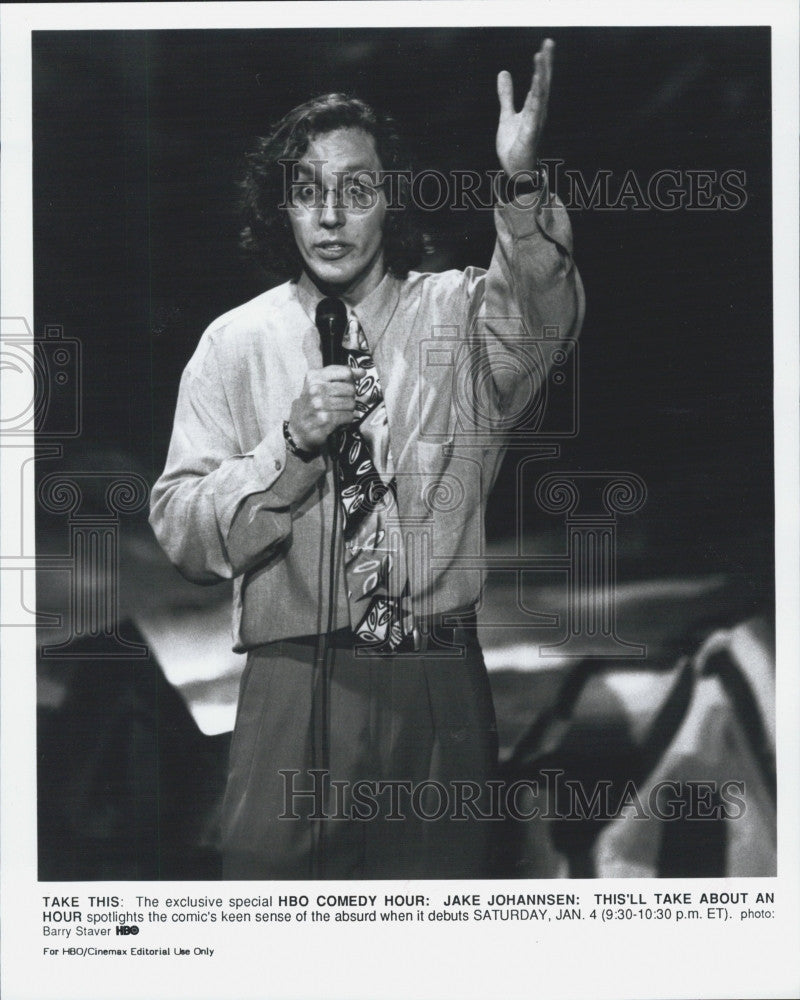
x,y
410,738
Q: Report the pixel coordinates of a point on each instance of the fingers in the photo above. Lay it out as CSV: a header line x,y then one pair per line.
x,y
331,396
505,92
534,111
327,402
336,373
539,91
542,72
325,388
335,391
331,388
317,413
544,57
321,422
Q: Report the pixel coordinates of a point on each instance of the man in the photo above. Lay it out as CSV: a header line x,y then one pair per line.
x,y
341,496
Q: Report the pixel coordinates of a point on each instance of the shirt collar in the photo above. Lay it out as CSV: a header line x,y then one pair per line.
x,y
374,310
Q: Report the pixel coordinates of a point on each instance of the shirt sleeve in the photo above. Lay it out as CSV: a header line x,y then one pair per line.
x,y
531,290
216,511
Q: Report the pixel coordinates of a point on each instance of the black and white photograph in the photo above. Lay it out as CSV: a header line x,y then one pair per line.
x,y
398,516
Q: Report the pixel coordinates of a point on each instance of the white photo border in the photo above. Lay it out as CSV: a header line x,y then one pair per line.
x,y
465,961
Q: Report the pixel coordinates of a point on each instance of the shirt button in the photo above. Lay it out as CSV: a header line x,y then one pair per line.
x,y
278,464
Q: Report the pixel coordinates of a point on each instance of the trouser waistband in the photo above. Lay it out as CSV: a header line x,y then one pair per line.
x,y
447,629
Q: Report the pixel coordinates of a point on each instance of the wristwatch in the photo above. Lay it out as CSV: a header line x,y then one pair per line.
x,y
305,456
523,182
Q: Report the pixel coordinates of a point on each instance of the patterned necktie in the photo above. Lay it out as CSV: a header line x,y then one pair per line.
x,y
374,560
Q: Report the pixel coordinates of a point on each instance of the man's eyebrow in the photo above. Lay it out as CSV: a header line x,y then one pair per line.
x,y
310,169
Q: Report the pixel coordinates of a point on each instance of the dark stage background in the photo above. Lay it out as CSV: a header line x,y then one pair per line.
x,y
140,137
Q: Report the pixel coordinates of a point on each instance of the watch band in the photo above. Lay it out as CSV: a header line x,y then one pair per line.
x,y
522,183
305,456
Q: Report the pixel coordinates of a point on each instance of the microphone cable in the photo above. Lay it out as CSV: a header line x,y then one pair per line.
x,y
331,322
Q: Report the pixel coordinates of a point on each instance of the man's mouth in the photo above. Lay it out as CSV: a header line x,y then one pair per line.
x,y
332,250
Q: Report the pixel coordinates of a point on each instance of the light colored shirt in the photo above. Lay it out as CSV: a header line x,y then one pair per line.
x,y
450,350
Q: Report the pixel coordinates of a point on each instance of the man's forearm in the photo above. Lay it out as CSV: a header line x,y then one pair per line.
x,y
215,512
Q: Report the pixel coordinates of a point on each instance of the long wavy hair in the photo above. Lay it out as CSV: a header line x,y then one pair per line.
x,y
267,233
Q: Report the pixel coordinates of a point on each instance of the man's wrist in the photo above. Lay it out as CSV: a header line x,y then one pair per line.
x,y
302,453
522,187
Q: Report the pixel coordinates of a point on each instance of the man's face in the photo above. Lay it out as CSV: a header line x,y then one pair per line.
x,y
337,215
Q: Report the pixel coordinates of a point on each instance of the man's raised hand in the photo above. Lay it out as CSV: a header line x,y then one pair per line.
x,y
518,131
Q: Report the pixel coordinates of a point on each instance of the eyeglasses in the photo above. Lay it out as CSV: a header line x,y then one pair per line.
x,y
356,196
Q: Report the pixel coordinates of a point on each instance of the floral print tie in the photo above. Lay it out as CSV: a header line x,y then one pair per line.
x,y
374,560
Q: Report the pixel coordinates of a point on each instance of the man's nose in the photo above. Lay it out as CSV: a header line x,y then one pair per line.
x,y
331,213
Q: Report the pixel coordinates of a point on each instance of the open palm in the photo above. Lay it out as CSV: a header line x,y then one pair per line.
x,y
518,131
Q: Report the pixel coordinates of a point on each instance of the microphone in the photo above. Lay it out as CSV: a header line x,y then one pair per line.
x,y
331,321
